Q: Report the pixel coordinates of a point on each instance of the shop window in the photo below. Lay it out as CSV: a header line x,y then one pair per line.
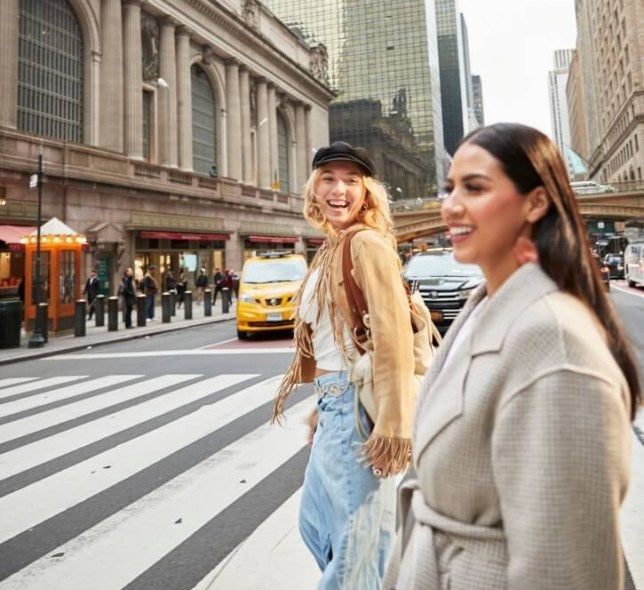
x,y
44,278
67,276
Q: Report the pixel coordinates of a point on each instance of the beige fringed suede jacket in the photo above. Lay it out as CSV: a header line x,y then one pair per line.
x,y
376,269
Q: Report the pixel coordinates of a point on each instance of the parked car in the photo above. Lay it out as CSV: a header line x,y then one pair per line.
x,y
444,283
634,264
615,264
267,285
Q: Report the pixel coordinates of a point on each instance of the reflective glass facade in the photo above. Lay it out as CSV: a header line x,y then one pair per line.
x,y
383,65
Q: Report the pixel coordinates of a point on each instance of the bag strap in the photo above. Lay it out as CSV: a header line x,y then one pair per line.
x,y
355,297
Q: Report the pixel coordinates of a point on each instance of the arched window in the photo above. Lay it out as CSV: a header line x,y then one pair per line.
x,y
50,70
282,154
204,124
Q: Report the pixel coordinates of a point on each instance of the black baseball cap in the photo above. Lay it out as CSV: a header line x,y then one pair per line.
x,y
341,151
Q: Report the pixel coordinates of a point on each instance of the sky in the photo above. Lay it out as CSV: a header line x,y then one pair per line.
x,y
512,43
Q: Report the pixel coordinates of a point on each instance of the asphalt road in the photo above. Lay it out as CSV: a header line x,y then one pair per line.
x,y
149,465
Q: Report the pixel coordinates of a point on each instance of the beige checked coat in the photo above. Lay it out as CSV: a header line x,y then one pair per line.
x,y
521,448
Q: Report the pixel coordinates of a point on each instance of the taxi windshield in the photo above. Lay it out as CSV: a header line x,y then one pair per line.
x,y
275,271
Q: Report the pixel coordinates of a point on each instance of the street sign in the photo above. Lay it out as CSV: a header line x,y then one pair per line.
x,y
33,181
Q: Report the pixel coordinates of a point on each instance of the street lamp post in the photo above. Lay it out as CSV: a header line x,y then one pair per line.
x,y
37,340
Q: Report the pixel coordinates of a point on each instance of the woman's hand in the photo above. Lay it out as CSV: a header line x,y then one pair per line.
x,y
312,423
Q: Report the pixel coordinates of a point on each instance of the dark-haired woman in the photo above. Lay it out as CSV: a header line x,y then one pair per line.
x,y
522,431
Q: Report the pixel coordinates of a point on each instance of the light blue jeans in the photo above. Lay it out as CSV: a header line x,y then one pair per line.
x,y
347,516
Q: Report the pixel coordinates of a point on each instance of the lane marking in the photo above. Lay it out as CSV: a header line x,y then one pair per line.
x,y
151,353
80,408
62,393
39,384
13,380
140,535
56,445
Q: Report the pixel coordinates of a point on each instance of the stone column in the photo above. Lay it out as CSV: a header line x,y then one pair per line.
x,y
9,63
111,82
301,151
272,122
133,78
184,93
263,136
233,121
244,96
167,119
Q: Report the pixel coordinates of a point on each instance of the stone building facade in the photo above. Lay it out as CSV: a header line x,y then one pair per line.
x,y
176,132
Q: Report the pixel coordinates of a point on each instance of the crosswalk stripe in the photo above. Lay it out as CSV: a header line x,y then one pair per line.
x,y
632,520
159,353
13,380
275,541
46,449
43,499
34,401
87,406
138,536
39,384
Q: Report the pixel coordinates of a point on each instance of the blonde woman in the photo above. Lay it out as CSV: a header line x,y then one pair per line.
x,y
347,514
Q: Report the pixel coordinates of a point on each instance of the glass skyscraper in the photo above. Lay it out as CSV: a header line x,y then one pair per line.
x,y
383,66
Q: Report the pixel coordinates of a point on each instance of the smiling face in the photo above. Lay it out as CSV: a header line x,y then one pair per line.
x,y
485,214
340,193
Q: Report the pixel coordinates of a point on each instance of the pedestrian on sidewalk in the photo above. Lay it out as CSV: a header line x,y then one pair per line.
x,y
91,290
127,291
182,285
150,289
170,282
202,284
347,512
521,438
217,281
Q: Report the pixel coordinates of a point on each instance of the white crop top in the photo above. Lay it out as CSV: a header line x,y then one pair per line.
x,y
327,353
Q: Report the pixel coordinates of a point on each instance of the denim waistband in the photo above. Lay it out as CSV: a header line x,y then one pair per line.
x,y
334,383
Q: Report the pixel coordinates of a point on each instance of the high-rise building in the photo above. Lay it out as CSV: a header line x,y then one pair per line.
x,y
559,111
456,80
610,41
383,65
477,97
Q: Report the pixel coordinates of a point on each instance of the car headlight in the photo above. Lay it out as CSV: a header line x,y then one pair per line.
x,y
465,293
245,298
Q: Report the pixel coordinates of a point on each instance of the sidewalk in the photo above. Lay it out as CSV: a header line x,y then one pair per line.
x,y
100,335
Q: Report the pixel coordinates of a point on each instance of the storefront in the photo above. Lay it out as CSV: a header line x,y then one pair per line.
x,y
12,258
172,251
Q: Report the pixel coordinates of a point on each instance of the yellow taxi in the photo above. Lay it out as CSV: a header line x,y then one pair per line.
x,y
267,286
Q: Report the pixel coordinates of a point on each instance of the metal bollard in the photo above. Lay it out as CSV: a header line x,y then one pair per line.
x,y
99,310
187,305
112,314
225,299
140,310
173,303
80,313
43,312
165,308
207,303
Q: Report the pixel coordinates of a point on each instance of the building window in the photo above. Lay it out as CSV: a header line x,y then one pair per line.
x,y
282,154
204,127
50,70
148,114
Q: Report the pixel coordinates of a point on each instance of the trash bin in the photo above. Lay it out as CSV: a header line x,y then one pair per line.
x,y
10,323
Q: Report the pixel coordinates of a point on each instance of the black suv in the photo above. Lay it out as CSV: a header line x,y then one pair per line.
x,y
444,283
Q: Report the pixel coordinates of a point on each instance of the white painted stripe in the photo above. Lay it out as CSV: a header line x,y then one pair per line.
x,y
54,446
155,353
252,565
80,408
13,380
33,401
138,536
45,498
632,515
40,384
628,290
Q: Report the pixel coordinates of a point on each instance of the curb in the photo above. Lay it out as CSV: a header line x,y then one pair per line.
x,y
116,337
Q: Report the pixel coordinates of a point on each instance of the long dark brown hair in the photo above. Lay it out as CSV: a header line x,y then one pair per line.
x,y
530,159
